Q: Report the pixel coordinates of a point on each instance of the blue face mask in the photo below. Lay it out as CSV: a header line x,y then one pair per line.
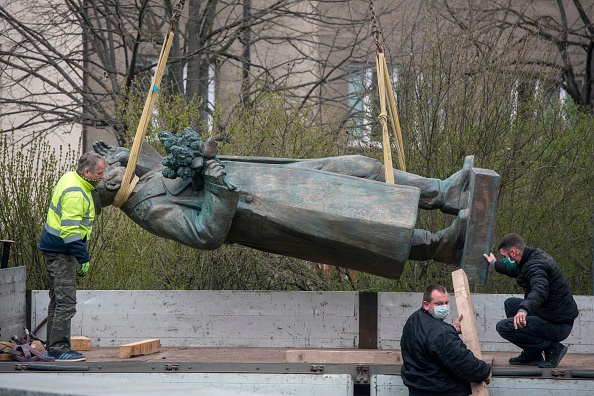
x,y
509,264
441,311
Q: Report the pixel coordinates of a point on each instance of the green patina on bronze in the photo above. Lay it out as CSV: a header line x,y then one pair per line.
x,y
335,210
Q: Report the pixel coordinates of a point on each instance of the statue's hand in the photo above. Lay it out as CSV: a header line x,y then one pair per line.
x,y
112,154
214,172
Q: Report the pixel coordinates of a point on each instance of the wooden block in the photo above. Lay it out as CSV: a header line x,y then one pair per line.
x,y
80,343
140,348
468,323
482,202
6,357
362,356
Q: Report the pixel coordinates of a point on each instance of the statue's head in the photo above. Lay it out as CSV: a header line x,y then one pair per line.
x,y
109,186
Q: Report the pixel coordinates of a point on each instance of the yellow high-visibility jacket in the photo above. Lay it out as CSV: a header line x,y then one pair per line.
x,y
69,218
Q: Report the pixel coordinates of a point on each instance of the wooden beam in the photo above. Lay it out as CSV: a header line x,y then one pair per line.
x,y
145,347
468,323
6,357
361,356
80,343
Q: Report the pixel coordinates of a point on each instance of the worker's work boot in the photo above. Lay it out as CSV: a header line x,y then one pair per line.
x,y
527,359
443,246
553,355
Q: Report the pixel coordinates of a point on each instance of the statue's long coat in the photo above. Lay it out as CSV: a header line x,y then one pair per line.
x,y
304,213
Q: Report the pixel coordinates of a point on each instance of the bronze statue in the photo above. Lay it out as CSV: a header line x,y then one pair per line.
x,y
335,210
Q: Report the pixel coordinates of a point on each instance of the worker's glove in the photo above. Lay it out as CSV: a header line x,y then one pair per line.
x,y
84,268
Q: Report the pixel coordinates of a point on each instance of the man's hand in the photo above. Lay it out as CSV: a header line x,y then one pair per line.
x,y
457,324
84,269
520,320
490,259
112,154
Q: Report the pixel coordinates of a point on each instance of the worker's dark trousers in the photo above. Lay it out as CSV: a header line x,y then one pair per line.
x,y
538,333
61,276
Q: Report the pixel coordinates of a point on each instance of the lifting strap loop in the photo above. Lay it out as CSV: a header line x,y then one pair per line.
x,y
130,179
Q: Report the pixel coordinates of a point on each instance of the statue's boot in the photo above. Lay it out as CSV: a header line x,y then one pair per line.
x,y
449,196
443,246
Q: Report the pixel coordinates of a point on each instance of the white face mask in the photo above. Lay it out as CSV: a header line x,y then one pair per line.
x,y
441,311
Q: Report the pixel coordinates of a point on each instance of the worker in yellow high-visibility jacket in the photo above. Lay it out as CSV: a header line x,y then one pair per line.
x,y
64,245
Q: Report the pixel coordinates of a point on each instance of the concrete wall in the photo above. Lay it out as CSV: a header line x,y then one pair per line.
x,y
271,319
212,318
13,305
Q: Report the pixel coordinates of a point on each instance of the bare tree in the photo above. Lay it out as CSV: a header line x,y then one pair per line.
x,y
562,28
74,62
65,63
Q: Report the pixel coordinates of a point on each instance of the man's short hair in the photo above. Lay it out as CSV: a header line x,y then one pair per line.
x,y
511,241
429,291
90,160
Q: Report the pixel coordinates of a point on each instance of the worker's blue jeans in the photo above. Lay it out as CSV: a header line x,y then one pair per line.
x,y
61,276
538,333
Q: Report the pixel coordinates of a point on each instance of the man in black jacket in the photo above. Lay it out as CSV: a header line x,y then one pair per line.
x,y
544,317
435,360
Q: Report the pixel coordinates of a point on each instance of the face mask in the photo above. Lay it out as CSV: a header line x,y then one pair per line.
x,y
441,311
93,182
509,264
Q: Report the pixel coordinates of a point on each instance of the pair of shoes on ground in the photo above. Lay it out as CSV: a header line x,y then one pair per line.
x,y
68,356
552,357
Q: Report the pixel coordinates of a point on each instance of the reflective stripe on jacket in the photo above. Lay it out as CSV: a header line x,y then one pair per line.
x,y
69,218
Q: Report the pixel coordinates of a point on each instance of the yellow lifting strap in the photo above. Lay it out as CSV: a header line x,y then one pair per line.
x,y
385,92
130,179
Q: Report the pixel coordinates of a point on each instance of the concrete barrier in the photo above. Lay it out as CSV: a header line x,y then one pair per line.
x,y
272,319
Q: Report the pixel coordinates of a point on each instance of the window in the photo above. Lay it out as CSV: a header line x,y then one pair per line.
x,y
362,92
209,96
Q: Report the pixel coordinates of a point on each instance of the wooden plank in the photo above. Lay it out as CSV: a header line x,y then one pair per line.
x,y
482,202
468,323
80,343
140,348
361,356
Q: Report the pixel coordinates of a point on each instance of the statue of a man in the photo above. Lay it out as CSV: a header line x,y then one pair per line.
x,y
335,210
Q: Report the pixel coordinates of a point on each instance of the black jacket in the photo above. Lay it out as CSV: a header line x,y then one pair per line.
x,y
546,293
435,360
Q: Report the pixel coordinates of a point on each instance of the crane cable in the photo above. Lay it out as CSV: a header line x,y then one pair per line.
x,y
130,180
386,91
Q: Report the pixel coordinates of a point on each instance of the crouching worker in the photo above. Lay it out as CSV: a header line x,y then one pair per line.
x,y
542,319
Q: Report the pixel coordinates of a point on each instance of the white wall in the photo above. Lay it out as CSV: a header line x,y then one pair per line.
x,y
271,319
212,318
